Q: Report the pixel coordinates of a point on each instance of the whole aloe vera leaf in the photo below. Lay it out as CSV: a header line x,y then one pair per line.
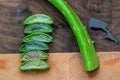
x,y
33,46
34,64
84,41
34,54
43,37
38,27
38,18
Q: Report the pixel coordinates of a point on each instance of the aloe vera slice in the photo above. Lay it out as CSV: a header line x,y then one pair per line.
x,y
38,37
34,28
34,64
38,18
33,54
33,46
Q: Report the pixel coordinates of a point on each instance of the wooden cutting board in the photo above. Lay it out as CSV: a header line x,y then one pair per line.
x,y
65,66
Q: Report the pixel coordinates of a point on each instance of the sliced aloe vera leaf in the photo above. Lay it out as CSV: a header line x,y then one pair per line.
x,y
33,46
38,18
34,64
38,37
34,28
33,54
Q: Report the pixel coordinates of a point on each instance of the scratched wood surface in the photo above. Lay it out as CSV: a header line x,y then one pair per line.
x,y
13,12
67,66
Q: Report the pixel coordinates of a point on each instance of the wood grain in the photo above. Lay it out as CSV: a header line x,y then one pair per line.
x,y
67,66
11,23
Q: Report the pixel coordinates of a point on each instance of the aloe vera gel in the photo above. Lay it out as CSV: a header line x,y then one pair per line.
x,y
35,43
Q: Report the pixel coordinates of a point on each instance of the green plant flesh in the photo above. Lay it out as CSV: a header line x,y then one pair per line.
x,y
33,46
38,37
39,27
35,42
34,64
85,43
38,18
33,54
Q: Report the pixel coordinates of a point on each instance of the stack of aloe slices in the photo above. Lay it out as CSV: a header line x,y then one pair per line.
x,y
36,42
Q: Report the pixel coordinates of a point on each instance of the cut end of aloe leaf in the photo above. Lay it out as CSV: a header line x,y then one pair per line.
x,y
34,54
38,37
33,46
38,27
34,64
38,18
92,68
91,62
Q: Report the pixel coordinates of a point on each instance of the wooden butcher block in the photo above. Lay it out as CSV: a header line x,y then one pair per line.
x,y
67,66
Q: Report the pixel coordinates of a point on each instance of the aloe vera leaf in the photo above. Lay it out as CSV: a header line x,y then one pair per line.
x,y
33,46
38,18
33,54
84,41
34,28
34,64
38,37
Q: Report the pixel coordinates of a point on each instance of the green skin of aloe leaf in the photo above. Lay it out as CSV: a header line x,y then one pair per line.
x,y
84,41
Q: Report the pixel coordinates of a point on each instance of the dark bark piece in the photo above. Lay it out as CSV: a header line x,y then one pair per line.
x,y
110,36
95,23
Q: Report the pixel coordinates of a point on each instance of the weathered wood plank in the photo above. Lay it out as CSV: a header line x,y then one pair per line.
x,y
11,23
